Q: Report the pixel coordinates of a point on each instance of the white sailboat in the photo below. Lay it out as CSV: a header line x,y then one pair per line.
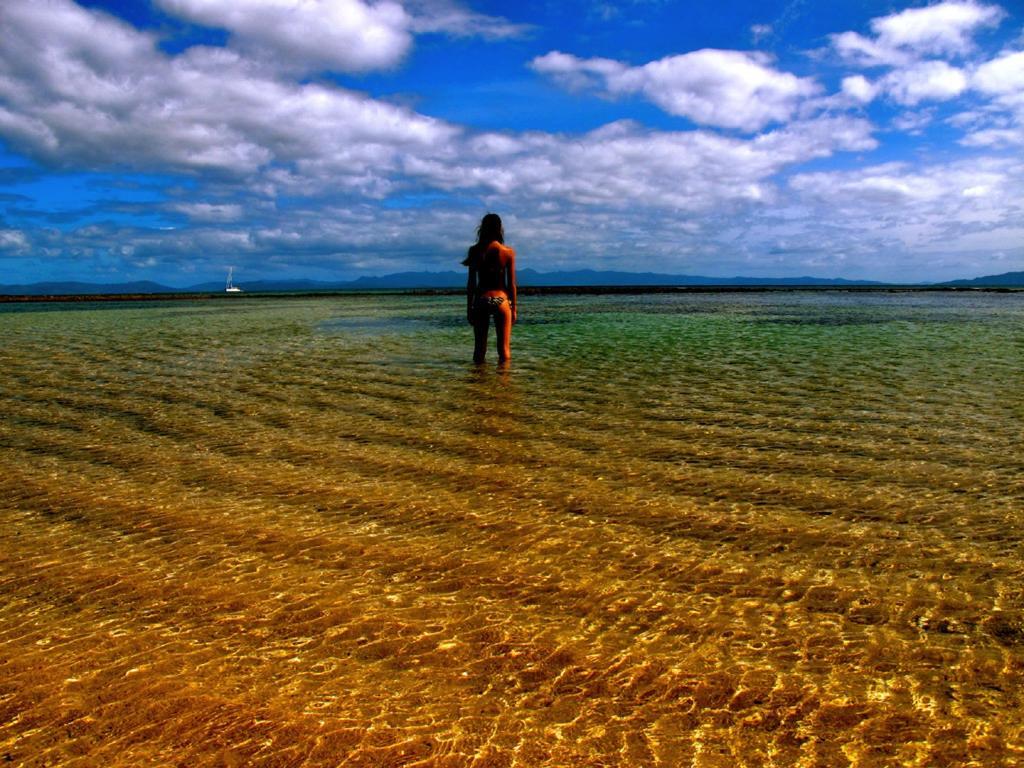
x,y
231,288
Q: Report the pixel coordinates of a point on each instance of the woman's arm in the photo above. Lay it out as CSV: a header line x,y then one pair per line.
x,y
470,294
510,281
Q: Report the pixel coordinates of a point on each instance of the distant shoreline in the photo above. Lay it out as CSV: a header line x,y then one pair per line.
x,y
589,290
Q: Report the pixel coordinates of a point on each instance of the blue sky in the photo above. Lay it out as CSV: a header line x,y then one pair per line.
x,y
328,139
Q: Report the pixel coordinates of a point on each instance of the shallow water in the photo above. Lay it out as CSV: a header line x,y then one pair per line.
x,y
779,529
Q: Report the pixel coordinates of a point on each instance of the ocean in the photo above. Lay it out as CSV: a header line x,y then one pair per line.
x,y
711,529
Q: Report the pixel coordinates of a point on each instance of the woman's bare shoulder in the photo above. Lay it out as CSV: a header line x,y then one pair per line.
x,y
501,248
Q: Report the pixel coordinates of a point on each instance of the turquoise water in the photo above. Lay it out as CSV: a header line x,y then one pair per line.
x,y
712,529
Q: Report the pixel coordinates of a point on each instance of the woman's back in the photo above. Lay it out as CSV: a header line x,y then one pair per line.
x,y
490,262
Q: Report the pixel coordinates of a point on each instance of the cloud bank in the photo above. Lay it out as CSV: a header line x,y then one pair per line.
x,y
942,29
727,89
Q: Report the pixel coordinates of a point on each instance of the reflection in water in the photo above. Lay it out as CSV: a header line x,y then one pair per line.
x,y
708,530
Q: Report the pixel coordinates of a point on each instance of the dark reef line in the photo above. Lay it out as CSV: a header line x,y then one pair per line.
x,y
535,290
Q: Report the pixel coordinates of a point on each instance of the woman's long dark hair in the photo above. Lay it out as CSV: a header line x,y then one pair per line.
x,y
490,229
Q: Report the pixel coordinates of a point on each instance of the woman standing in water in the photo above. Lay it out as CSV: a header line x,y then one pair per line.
x,y
491,288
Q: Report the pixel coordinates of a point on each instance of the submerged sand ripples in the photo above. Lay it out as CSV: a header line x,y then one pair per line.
x,y
752,530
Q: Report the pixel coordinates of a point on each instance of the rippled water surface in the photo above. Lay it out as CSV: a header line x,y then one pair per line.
x,y
779,529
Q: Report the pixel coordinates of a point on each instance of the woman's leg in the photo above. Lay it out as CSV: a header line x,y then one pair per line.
x,y
503,332
480,323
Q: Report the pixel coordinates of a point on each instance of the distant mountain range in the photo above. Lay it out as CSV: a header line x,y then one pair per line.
x,y
1007,279
71,288
451,279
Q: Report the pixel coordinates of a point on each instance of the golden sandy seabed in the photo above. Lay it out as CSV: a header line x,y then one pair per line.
x,y
279,554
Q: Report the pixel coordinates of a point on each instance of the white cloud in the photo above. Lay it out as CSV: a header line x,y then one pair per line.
x,y
575,73
913,122
622,165
1000,122
13,241
926,80
945,28
82,89
341,35
995,138
881,184
759,32
859,88
345,34
449,18
910,42
948,208
216,212
866,52
729,89
1002,75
